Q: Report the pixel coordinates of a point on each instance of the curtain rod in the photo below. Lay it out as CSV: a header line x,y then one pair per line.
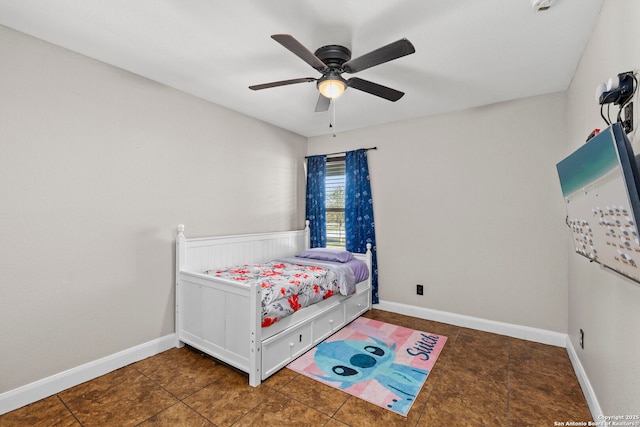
x,y
342,152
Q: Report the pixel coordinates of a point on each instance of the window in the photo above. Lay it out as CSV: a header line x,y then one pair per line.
x,y
334,200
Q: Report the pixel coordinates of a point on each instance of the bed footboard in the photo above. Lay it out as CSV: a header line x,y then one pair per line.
x,y
217,318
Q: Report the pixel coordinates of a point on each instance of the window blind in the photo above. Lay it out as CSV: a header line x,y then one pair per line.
x,y
334,188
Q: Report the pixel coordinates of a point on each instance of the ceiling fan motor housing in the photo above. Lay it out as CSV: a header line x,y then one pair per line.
x,y
333,55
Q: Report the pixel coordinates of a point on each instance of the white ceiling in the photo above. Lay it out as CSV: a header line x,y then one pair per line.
x,y
468,52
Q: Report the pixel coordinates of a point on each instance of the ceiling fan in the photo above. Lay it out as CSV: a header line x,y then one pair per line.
x,y
333,60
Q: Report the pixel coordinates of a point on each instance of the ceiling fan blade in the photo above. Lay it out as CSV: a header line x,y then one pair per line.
x,y
379,56
282,83
323,103
375,89
302,52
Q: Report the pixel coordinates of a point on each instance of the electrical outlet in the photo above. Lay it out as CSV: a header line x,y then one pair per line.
x,y
628,118
581,339
419,290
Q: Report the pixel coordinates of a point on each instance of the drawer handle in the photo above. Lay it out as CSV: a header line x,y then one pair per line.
x,y
330,320
359,305
291,344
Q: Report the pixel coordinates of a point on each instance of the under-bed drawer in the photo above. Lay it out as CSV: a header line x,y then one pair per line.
x,y
356,305
280,350
328,323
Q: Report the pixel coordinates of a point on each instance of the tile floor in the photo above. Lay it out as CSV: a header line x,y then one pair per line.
x,y
480,379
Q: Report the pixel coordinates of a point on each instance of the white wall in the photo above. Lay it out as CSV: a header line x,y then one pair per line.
x,y
606,307
97,167
469,205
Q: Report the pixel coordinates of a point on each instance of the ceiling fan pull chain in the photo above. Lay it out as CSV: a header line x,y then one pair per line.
x,y
332,109
333,114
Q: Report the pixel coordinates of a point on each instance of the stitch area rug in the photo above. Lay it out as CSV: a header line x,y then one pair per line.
x,y
378,362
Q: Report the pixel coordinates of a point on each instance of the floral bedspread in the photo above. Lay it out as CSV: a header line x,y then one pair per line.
x,y
286,287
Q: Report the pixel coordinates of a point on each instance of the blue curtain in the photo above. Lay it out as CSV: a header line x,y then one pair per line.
x,y
316,209
358,210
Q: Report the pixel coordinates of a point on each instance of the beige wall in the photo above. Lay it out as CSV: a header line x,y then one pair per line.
x,y
97,167
468,204
606,307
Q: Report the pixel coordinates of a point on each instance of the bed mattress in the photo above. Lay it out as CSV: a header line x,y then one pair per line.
x,y
290,284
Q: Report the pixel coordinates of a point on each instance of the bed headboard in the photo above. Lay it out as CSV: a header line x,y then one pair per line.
x,y
200,254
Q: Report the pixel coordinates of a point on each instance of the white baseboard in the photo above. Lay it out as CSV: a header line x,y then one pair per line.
x,y
516,331
585,385
21,396
45,387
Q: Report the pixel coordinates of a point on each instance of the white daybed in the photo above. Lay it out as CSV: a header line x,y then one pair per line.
x,y
222,317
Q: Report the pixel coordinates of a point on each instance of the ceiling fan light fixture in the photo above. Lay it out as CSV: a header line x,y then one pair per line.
x,y
331,87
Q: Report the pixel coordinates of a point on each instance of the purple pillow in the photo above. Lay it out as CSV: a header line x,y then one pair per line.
x,y
326,254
